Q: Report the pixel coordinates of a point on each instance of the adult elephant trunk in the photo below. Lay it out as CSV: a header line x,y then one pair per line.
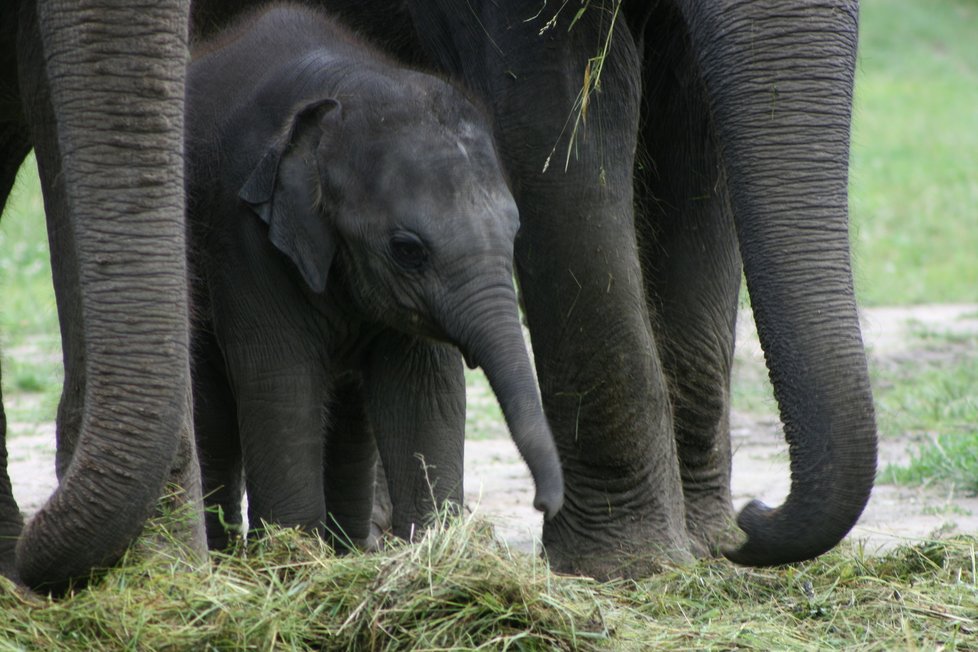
x,y
779,76
108,129
490,336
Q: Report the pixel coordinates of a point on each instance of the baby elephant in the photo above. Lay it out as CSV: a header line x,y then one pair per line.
x,y
348,217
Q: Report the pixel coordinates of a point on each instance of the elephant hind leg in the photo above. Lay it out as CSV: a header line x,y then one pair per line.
x,y
218,443
692,271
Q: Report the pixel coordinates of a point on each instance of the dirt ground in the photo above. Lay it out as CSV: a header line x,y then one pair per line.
x,y
498,485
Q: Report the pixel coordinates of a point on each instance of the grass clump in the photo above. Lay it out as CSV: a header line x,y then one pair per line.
x,y
458,588
949,459
930,395
916,597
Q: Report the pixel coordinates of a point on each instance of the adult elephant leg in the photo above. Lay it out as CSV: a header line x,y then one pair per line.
x,y
779,79
27,80
416,404
692,269
118,201
11,522
602,382
349,462
600,375
13,148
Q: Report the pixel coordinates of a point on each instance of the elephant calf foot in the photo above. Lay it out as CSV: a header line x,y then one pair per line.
x,y
226,537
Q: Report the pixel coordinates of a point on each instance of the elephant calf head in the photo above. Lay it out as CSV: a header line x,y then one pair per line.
x,y
403,178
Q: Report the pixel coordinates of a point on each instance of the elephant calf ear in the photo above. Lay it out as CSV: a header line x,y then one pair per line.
x,y
284,191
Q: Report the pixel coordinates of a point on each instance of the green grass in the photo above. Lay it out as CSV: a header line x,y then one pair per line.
x,y
914,186
28,315
919,398
933,397
25,266
458,588
951,460
927,392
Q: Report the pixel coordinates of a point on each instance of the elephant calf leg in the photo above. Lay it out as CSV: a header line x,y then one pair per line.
x,y
280,419
350,457
218,445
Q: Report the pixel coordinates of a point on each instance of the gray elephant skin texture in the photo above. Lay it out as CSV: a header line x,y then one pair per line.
x,y
718,143
349,217
99,97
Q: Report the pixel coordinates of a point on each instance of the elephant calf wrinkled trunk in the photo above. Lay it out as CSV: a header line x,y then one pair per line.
x,y
493,340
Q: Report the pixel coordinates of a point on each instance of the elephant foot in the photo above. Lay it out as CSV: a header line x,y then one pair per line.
x,y
176,528
8,562
711,522
347,533
620,563
11,524
183,503
8,569
610,551
381,513
379,532
224,531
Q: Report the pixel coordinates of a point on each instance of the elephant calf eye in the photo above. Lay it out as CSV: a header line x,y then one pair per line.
x,y
408,251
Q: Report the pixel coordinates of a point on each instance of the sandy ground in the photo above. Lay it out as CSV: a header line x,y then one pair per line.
x,y
498,485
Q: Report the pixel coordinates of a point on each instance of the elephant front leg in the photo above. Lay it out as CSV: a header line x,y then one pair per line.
x,y
350,460
600,374
691,267
280,418
416,404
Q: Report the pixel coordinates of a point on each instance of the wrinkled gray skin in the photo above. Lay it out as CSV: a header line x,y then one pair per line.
x,y
719,142
347,216
99,96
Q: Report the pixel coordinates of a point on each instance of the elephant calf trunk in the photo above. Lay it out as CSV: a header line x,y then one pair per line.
x,y
498,347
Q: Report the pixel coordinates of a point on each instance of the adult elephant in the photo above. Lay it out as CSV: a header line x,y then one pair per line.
x,y
717,142
96,88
